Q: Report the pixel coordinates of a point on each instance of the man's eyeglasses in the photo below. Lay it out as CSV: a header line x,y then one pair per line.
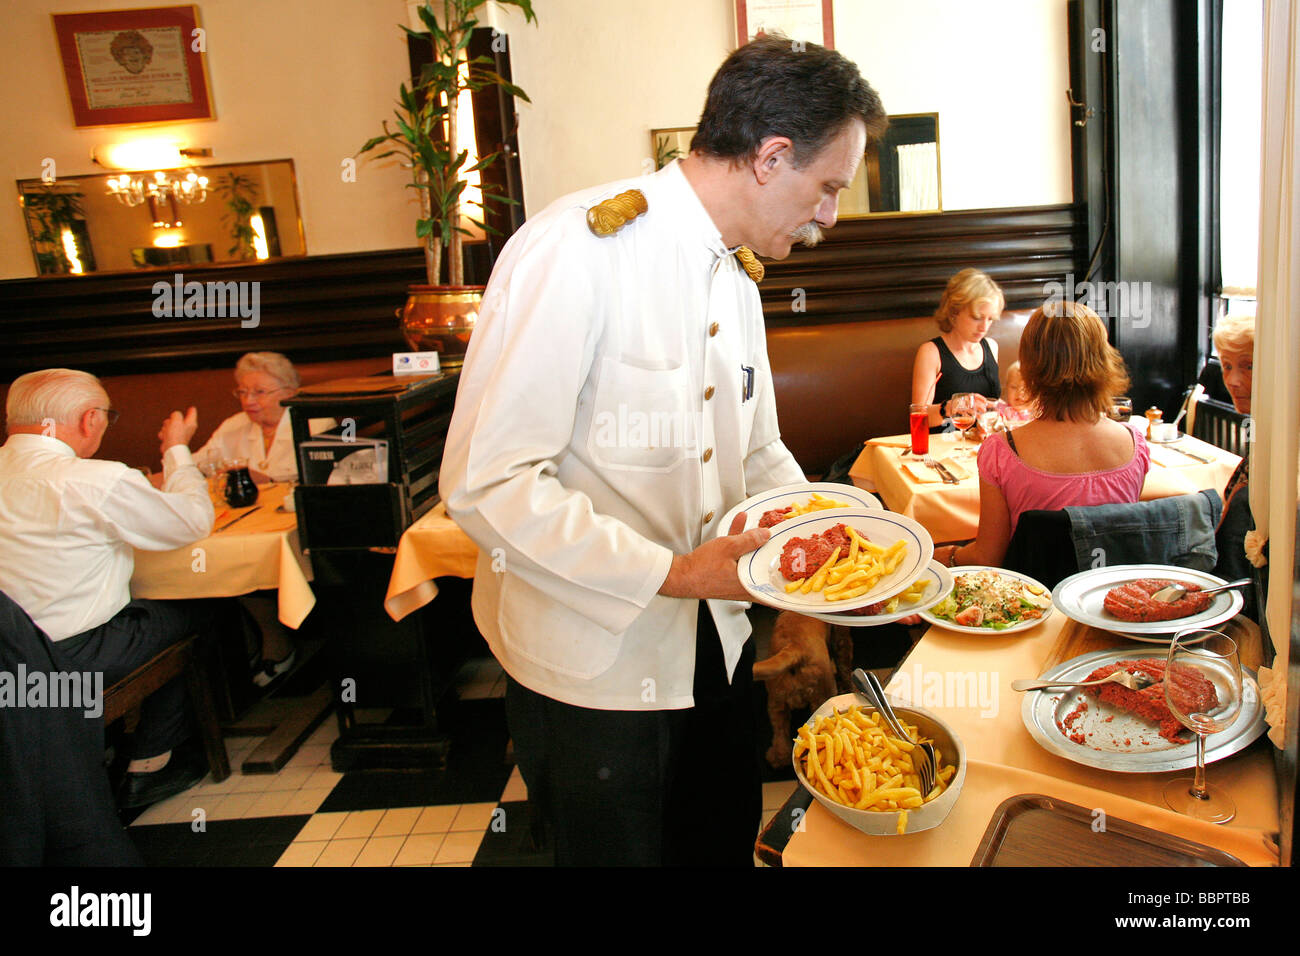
x,y
112,414
258,393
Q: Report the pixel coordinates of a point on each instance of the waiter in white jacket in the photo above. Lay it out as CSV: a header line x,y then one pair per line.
x,y
615,403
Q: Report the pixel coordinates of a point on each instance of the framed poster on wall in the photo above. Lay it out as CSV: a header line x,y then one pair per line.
x,y
809,21
134,66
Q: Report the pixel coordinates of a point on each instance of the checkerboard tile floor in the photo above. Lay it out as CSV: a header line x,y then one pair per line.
x,y
474,813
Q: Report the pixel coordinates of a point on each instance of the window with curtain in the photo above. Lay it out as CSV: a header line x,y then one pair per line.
x,y
1239,127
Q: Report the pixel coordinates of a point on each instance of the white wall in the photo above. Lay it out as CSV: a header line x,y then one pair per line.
x,y
308,80
311,80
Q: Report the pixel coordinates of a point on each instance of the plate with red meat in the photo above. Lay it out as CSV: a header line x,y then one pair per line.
x,y
1119,598
770,508
1133,731
800,548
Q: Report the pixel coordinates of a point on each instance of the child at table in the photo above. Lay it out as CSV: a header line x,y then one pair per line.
x,y
1015,406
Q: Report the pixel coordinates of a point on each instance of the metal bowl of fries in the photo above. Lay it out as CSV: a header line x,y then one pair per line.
x,y
865,779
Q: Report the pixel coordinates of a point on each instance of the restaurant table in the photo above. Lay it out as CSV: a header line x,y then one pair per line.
x,y
951,512
258,552
432,547
1003,760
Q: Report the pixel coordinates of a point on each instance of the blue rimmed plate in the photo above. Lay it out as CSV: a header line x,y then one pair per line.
x,y
760,571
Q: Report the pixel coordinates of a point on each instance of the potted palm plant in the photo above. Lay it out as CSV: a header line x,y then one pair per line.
x,y
441,317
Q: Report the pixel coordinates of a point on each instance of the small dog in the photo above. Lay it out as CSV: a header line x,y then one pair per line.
x,y
799,673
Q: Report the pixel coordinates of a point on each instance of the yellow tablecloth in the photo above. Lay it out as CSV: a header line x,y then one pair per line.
x,y
1004,760
261,551
951,512
432,547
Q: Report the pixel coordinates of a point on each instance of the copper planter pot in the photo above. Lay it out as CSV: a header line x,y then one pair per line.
x,y
441,318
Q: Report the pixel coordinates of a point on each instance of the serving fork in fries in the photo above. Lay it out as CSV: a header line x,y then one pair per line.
x,y
851,757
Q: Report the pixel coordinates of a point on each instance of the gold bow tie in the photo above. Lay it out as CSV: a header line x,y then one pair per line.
x,y
751,264
608,217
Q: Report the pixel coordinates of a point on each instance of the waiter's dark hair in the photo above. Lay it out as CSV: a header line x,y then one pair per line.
x,y
775,87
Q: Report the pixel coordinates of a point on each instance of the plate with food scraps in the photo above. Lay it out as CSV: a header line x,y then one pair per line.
x,y
1124,731
803,545
1083,597
988,600
805,497
933,585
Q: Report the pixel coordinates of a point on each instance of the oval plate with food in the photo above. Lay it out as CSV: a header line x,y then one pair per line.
x,y
999,599
761,570
1082,597
805,497
936,582
1076,725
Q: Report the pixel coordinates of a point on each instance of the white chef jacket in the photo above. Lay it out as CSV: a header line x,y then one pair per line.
x,y
241,437
599,429
68,524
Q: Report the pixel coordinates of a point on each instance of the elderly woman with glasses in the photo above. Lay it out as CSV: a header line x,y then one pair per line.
x,y
260,433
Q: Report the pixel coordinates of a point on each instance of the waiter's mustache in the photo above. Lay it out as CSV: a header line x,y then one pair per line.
x,y
809,234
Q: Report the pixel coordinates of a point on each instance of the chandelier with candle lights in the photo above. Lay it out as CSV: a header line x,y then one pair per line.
x,y
160,187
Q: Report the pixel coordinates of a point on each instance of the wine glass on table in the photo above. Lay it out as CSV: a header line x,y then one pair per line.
x,y
963,411
989,421
1203,691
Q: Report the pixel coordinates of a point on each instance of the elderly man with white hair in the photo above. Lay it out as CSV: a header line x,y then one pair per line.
x,y
68,524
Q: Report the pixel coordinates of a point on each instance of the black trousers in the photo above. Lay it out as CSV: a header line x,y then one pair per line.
x,y
56,806
132,637
647,788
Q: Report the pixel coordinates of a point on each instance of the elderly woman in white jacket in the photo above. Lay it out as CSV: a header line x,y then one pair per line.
x,y
261,435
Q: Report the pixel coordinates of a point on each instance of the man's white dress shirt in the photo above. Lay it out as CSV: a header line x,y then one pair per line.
x,y
241,437
600,428
68,524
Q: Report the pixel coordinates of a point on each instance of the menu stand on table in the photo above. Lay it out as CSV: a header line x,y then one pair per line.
x,y
350,532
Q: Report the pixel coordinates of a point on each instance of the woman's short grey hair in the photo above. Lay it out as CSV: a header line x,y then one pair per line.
x,y
61,395
1236,333
273,364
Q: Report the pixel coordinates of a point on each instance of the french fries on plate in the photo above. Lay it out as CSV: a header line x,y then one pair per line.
x,y
854,575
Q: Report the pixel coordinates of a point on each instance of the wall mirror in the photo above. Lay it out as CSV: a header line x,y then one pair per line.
x,y
899,175
82,224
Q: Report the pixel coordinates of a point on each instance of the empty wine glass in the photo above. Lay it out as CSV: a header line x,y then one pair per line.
x,y
989,420
1202,690
962,409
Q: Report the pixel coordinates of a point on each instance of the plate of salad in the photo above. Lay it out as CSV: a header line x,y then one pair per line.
x,y
988,600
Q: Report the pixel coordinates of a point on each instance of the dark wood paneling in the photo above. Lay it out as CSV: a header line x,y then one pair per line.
x,y
322,308
316,308
892,268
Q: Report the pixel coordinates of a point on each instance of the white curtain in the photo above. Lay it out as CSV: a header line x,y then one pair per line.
x,y
918,177
1275,405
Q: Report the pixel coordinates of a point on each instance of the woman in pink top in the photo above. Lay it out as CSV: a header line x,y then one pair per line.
x,y
1072,454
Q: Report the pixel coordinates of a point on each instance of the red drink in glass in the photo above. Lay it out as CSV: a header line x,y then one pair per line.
x,y
920,422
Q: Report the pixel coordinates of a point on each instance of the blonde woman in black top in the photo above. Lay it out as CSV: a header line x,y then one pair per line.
x,y
962,358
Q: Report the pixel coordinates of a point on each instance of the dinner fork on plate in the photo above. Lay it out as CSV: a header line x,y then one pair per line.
x,y
869,687
1131,681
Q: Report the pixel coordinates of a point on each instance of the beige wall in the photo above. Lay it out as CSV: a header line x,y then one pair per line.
x,y
311,79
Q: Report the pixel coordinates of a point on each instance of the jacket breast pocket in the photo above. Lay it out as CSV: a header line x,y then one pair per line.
x,y
641,418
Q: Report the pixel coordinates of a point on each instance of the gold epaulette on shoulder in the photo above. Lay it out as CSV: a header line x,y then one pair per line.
x,y
608,217
751,264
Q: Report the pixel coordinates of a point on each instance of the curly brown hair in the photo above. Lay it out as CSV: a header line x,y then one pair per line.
x,y
1069,368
